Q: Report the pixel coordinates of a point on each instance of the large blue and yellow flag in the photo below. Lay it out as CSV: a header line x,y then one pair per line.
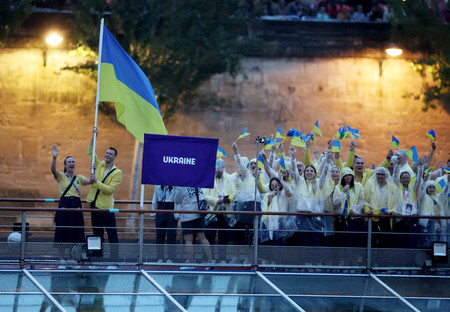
x,y
124,83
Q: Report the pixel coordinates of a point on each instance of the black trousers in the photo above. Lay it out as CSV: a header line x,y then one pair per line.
x,y
102,221
166,227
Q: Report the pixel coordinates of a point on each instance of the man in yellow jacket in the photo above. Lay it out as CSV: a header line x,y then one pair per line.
x,y
105,181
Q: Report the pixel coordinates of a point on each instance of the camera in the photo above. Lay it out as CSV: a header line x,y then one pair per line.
x,y
261,140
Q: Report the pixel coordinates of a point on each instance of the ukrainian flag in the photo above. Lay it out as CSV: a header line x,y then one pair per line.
x,y
243,134
336,147
430,134
316,129
122,81
278,134
221,152
260,162
353,132
440,185
395,142
412,154
430,169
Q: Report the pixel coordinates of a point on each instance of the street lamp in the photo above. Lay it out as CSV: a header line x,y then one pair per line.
x,y
394,50
52,39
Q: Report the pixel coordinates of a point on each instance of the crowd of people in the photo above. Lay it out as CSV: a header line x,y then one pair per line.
x,y
323,185
276,182
326,10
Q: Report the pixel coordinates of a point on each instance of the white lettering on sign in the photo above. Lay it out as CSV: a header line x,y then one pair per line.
x,y
178,160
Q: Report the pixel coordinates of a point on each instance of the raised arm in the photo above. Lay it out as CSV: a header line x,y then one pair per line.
x,y
272,155
430,155
323,174
419,176
55,153
293,153
307,157
237,157
266,165
286,187
351,154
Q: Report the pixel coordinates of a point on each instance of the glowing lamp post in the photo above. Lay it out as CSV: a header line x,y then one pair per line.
x,y
51,40
394,50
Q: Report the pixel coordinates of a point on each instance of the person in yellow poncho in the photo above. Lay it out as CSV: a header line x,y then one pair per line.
x,y
245,196
363,174
432,204
407,206
349,199
380,198
220,198
309,192
274,201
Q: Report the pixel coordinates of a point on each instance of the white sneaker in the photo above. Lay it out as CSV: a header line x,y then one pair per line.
x,y
209,268
112,267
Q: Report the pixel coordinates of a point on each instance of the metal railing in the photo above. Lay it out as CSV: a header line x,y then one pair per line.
x,y
137,242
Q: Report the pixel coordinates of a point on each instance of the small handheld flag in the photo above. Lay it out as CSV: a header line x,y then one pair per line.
x,y
353,132
243,134
316,129
336,147
431,135
346,204
291,133
395,142
297,140
412,154
430,169
440,185
221,152
278,134
373,166
260,162
283,164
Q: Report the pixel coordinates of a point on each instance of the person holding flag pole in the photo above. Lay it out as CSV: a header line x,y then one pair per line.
x,y
119,80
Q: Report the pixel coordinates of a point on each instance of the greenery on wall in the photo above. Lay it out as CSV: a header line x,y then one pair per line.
x,y
418,24
178,44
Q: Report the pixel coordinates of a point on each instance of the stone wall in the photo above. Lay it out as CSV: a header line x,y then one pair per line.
x,y
41,106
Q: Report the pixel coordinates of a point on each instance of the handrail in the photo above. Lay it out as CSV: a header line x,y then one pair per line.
x,y
52,200
206,212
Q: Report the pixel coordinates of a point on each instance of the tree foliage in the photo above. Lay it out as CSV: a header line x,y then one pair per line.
x,y
419,24
179,44
12,15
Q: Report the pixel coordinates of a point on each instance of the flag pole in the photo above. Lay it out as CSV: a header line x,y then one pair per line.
x,y
100,47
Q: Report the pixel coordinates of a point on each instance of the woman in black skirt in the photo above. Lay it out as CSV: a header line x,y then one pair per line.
x,y
69,225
